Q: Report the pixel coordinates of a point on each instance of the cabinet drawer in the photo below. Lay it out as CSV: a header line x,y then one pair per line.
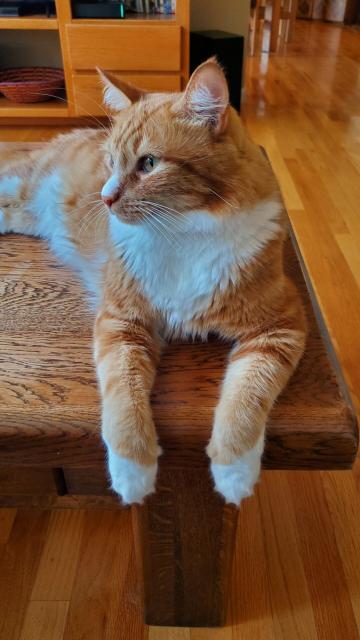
x,y
125,48
88,89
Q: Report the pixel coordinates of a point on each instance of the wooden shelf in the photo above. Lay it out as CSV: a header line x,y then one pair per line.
x,y
50,109
33,22
86,43
140,18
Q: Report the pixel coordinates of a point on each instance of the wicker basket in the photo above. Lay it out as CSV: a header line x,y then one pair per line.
x,y
31,84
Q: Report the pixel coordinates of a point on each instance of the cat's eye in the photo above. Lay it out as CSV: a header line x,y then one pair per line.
x,y
148,163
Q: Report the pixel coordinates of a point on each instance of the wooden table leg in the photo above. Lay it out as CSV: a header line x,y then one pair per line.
x,y
184,544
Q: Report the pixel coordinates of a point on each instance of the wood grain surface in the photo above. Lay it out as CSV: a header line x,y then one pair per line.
x,y
124,47
49,405
184,540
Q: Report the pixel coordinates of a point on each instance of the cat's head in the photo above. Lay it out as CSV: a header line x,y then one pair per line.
x,y
169,155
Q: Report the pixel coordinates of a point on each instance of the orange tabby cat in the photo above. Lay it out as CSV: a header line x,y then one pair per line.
x,y
187,240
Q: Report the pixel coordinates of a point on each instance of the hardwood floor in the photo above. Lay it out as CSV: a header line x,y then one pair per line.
x,y
304,107
70,575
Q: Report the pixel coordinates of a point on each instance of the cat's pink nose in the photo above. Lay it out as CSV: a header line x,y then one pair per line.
x,y
109,200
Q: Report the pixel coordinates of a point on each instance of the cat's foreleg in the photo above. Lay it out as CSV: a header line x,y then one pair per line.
x,y
127,353
259,367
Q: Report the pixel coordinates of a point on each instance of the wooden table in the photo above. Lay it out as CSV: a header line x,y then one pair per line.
x,y
51,453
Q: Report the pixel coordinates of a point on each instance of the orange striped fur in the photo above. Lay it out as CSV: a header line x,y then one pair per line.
x,y
174,221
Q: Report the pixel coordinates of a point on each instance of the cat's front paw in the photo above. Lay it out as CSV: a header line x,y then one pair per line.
x,y
130,480
236,481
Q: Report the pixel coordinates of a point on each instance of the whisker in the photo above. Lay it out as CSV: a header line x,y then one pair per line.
x,y
93,193
151,222
67,101
82,204
162,223
101,216
162,229
172,228
86,222
88,219
171,222
179,223
223,199
162,206
98,105
176,221
150,217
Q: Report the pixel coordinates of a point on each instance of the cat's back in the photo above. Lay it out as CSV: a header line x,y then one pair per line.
x,y
53,192
74,154
64,192
74,159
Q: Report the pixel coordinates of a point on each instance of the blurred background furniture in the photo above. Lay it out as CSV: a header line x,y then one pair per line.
x,y
151,51
278,16
329,10
228,49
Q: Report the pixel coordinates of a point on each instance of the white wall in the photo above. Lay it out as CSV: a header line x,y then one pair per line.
x,y
226,15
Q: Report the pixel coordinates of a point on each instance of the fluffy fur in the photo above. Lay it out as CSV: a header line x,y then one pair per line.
x,y
189,241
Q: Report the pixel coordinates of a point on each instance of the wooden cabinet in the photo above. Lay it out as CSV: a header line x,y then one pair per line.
x,y
88,89
150,51
124,48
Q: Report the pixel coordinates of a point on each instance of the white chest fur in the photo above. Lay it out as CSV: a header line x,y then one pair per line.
x,y
180,277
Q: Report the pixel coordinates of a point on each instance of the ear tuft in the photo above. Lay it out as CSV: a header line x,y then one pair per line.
x,y
206,98
118,94
113,96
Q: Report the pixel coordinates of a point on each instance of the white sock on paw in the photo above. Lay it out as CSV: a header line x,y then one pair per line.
x,y
237,480
132,481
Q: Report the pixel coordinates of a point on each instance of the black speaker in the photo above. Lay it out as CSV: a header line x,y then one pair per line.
x,y
229,50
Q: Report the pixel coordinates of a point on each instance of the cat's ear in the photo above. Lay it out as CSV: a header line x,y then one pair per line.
x,y
118,94
206,97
